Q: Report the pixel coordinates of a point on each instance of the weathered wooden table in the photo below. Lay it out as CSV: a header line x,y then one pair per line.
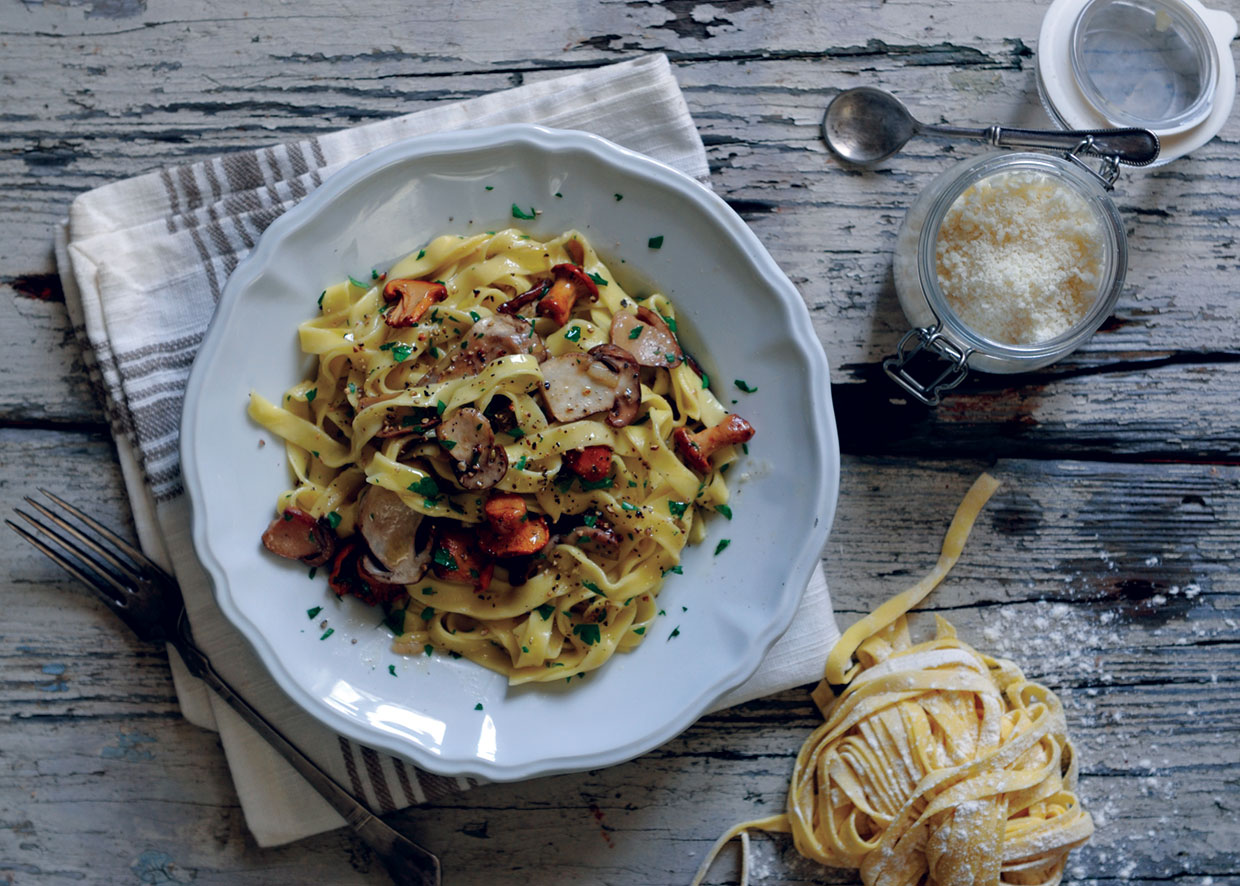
x,y
1106,566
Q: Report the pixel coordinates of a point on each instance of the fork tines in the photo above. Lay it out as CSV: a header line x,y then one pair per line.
x,y
105,562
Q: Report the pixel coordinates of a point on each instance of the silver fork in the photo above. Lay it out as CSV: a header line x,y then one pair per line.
x,y
148,600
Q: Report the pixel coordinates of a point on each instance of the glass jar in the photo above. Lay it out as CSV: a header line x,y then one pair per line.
x,y
939,331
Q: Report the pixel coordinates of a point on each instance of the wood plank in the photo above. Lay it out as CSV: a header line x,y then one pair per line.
x,y
1130,566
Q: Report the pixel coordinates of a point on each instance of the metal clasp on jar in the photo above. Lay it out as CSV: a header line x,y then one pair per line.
x,y
932,341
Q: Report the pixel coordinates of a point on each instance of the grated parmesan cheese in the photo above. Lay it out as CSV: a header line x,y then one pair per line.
x,y
1020,257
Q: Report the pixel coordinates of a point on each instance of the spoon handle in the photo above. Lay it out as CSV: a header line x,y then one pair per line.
x,y
1133,147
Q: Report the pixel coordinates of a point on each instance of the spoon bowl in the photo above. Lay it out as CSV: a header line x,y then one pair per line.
x,y
865,125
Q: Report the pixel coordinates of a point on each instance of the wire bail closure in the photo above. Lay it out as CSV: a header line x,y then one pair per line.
x,y
930,340
1107,173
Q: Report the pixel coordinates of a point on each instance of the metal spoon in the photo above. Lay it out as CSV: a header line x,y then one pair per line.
x,y
865,126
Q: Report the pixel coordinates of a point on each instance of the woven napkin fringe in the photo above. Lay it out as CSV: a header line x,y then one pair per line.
x,y
143,263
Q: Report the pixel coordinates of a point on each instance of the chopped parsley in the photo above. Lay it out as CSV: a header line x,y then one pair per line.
x,y
478,706
392,670
598,280
573,334
590,520
725,510
639,631
489,188
311,394
675,632
428,613
400,350
358,283
635,331
678,569
589,634
605,483
321,294
655,242
677,508
333,519
426,487
671,323
311,613
618,197
629,507
443,557
518,212
327,633
475,316
592,587
745,386
395,620
428,649
705,380
520,465
723,543
546,611
313,571
440,407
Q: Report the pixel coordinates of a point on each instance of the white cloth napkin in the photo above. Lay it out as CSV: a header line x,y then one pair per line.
x,y
143,262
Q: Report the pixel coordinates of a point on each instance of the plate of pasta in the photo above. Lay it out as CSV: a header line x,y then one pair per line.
x,y
545,426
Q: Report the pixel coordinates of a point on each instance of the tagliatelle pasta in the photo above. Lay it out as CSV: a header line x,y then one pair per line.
x,y
936,764
523,449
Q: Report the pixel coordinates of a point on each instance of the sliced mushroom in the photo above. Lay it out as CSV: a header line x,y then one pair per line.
x,y
489,339
570,283
592,463
470,443
598,539
696,449
629,388
534,293
606,379
646,336
458,559
391,529
412,298
295,535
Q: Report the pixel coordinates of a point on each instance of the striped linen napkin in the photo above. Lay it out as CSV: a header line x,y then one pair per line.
x,y
143,262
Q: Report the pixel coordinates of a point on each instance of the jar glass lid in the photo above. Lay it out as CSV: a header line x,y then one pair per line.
x,y
1146,63
1163,65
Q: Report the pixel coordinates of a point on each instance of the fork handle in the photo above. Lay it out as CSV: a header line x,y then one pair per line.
x,y
407,862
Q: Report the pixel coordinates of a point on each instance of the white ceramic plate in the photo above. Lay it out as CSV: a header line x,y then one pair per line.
x,y
737,313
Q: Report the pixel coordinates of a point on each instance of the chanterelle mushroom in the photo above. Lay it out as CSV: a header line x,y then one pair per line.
x,y
696,449
468,439
569,284
295,535
413,299
606,379
646,336
391,530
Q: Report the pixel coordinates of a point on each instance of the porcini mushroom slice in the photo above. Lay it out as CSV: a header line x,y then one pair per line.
x,y
468,439
295,535
569,283
576,385
489,339
390,528
628,387
502,335
646,336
